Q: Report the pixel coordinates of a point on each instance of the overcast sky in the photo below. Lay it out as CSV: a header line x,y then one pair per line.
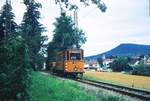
x,y
125,21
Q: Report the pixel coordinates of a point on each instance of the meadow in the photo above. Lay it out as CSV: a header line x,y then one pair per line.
x,y
50,88
140,82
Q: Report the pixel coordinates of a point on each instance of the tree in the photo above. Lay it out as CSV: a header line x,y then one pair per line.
x,y
7,24
100,61
65,36
32,32
68,5
120,64
14,59
141,69
79,37
15,69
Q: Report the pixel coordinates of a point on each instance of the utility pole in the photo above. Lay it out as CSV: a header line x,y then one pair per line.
x,y
75,17
75,12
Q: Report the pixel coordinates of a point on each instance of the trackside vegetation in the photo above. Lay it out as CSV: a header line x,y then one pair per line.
x,y
22,49
49,88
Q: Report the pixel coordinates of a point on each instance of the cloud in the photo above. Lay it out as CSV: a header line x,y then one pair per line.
x,y
125,21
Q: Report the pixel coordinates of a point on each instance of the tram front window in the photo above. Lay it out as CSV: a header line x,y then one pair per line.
x,y
75,56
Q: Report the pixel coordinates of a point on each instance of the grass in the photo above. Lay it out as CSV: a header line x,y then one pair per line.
x,y
49,88
46,88
140,82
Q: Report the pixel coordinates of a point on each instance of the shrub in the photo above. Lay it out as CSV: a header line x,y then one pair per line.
x,y
142,69
14,70
120,64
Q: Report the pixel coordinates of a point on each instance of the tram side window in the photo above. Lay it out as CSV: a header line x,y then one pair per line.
x,y
65,57
75,56
59,58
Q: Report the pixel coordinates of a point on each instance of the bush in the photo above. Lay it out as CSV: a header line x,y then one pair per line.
x,y
141,69
14,70
120,64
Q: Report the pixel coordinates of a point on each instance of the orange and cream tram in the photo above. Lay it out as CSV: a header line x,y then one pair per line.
x,y
69,62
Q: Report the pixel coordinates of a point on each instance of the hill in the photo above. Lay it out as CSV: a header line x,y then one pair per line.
x,y
124,50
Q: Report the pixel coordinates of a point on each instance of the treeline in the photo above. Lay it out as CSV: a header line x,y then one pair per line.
x,y
22,46
141,69
120,64
20,51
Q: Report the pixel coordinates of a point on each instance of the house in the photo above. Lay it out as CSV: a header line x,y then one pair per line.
x,y
92,64
146,59
107,62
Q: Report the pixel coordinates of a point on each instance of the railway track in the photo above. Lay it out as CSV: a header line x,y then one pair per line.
x,y
141,94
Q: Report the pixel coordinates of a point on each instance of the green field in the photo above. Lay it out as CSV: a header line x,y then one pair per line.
x,y
49,88
140,82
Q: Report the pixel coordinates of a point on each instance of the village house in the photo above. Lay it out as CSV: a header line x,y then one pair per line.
x,y
92,64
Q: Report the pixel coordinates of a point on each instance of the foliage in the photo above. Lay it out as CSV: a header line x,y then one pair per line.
x,y
105,96
15,68
68,5
65,36
48,88
79,37
120,64
32,30
141,69
120,79
14,59
63,32
7,24
100,61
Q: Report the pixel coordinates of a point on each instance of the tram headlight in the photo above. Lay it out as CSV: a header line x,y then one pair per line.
x,y
66,69
66,66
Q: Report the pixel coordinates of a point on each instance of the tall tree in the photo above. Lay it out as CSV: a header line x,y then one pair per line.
x,y
7,24
65,36
14,69
32,31
14,59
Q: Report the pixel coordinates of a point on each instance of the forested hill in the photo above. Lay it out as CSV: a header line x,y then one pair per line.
x,y
124,50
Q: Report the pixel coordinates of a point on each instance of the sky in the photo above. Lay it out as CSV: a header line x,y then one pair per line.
x,y
125,21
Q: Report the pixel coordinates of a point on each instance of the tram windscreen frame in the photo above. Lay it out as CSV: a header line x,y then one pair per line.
x,y
75,56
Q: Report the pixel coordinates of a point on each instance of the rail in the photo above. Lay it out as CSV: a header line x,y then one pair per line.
x,y
138,93
141,94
